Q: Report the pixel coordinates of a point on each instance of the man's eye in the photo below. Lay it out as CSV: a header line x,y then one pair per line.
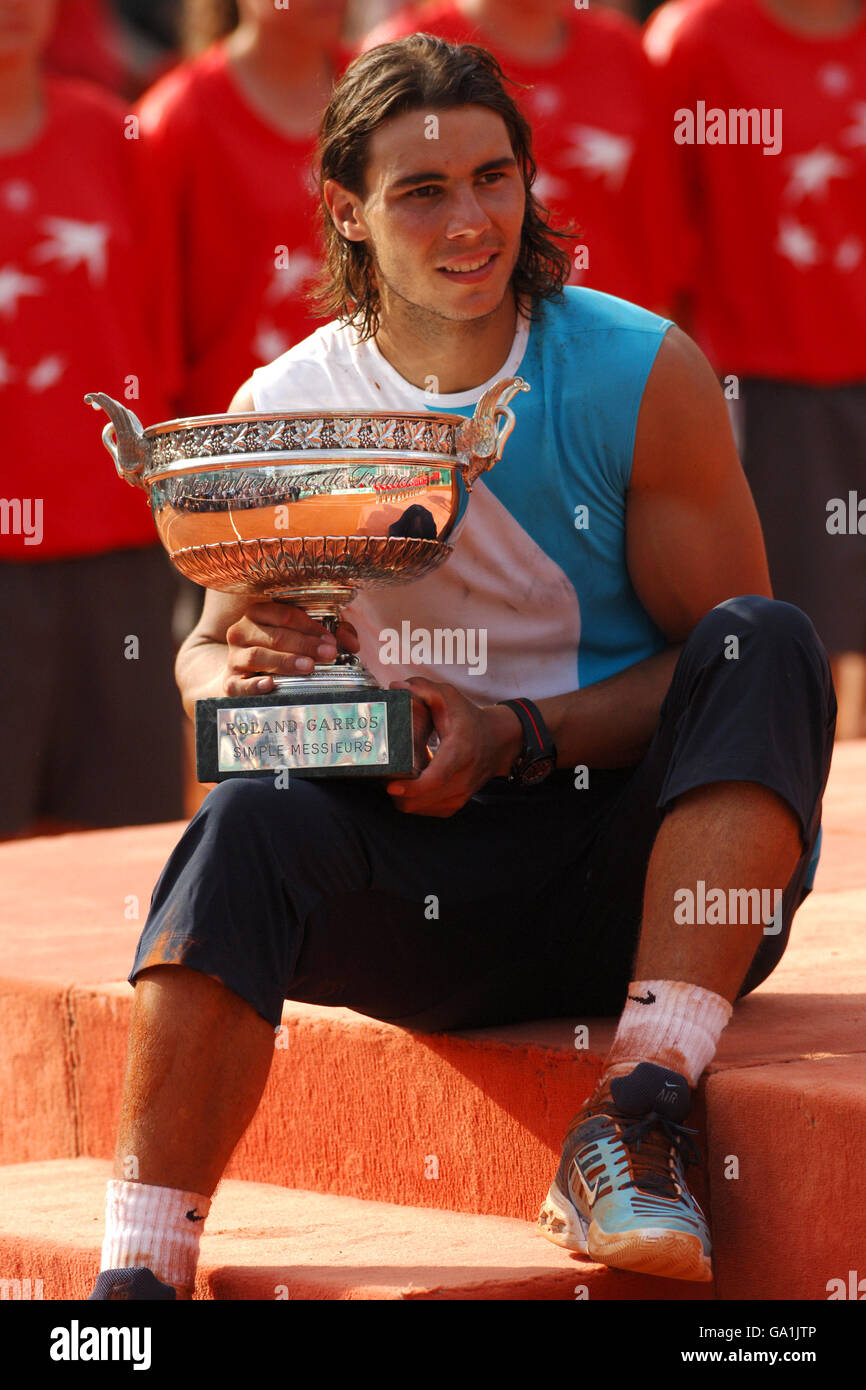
x,y
428,190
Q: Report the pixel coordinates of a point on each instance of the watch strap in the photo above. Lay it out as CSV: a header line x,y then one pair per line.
x,y
537,742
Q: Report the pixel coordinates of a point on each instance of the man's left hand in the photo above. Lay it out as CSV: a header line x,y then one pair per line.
x,y
475,744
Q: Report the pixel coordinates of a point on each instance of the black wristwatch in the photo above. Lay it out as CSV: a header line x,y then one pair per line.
x,y
538,758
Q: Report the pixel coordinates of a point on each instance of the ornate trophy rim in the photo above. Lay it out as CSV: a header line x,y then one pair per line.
x,y
268,449
443,417
471,444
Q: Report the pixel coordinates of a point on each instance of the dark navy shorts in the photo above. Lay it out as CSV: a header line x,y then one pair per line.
x,y
518,906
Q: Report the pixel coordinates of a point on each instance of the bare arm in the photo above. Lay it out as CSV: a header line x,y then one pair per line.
x,y
693,539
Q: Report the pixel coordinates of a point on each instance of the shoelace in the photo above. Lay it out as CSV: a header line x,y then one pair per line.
x,y
651,1164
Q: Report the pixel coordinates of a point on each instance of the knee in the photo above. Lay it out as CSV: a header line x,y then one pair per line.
x,y
777,645
235,807
303,811
771,618
768,625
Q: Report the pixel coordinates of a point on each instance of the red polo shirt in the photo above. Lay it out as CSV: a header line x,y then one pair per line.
x,y
774,258
239,204
78,312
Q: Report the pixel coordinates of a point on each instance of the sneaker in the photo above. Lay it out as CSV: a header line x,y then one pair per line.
x,y
620,1195
118,1285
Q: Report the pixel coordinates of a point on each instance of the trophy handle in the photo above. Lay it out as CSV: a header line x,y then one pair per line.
x,y
481,439
123,437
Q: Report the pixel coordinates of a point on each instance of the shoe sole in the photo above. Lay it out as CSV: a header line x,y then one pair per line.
x,y
653,1250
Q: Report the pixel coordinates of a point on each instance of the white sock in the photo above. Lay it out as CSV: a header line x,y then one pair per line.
x,y
670,1022
152,1226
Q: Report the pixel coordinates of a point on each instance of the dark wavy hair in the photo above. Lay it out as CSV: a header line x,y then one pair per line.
x,y
420,73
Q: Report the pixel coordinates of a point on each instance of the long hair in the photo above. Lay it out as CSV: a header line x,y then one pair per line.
x,y
420,73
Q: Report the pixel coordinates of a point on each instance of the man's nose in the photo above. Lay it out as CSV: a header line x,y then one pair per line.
x,y
466,214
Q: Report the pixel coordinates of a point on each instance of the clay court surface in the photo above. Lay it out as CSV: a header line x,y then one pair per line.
x,y
384,1164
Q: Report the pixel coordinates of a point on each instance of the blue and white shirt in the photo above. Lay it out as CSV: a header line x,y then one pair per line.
x,y
539,564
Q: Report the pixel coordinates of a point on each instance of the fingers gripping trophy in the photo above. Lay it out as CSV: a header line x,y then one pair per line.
x,y
287,507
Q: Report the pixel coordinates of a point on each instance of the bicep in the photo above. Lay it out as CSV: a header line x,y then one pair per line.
x,y
693,538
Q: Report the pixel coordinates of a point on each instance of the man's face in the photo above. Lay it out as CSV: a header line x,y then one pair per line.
x,y
25,27
434,206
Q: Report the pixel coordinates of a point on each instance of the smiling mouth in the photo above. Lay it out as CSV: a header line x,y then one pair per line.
x,y
469,266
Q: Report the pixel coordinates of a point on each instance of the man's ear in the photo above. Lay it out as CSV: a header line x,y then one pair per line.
x,y
347,211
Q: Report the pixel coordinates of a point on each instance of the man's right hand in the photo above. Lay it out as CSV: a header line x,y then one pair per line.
x,y
277,639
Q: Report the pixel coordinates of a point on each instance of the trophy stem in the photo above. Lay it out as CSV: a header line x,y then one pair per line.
x,y
346,670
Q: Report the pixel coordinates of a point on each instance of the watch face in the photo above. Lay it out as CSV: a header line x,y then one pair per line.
x,y
537,771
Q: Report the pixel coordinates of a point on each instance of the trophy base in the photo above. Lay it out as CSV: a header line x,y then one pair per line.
x,y
307,727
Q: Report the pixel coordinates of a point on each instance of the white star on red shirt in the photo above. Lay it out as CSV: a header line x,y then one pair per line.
x,y
269,342
286,279
72,243
600,153
14,284
798,243
16,194
849,253
812,171
548,188
544,99
834,78
46,373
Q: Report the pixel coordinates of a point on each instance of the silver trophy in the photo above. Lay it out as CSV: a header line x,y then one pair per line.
x,y
309,508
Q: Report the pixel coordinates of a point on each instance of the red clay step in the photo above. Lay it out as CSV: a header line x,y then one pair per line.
x,y
790,1216
490,1106
265,1242
357,1107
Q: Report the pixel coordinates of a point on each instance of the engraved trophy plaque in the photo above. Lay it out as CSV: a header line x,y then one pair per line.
x,y
309,508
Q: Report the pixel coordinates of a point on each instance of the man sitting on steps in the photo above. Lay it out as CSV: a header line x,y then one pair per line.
x,y
687,717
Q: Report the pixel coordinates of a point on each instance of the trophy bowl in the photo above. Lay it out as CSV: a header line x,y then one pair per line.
x,y
310,507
